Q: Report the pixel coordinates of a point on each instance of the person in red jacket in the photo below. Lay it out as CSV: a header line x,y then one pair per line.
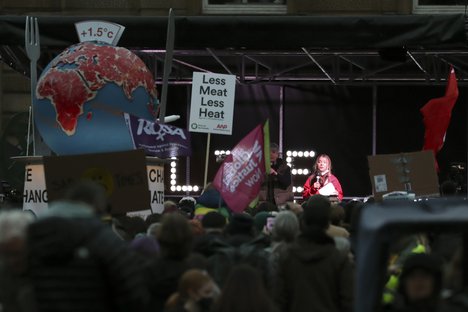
x,y
322,181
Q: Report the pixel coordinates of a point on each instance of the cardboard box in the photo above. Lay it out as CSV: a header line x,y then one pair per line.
x,y
123,175
411,172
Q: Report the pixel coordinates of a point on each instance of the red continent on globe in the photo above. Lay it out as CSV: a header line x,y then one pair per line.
x,y
91,67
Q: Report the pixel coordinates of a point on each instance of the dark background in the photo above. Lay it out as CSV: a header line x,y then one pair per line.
x,y
335,120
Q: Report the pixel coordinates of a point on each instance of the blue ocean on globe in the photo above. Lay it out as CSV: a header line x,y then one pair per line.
x,y
104,81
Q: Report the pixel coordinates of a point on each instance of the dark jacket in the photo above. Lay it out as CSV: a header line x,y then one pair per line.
x,y
277,189
163,277
78,264
315,277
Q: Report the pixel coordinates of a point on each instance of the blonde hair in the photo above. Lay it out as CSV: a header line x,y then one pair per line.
x,y
327,158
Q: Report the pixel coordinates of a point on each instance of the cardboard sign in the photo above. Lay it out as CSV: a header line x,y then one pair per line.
x,y
123,174
35,193
212,107
410,172
156,186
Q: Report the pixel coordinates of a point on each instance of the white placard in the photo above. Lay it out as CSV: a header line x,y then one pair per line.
x,y
35,193
99,31
380,182
156,187
212,107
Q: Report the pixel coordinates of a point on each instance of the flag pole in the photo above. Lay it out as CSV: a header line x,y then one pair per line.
x,y
208,140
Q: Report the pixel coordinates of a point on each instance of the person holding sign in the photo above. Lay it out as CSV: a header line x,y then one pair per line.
x,y
322,181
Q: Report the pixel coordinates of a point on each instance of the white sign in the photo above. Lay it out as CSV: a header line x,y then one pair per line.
x,y
156,187
35,193
212,107
99,31
380,182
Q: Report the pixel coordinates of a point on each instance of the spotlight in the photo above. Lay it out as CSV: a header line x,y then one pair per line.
x,y
288,153
306,154
173,176
288,159
216,153
173,164
173,188
294,154
173,182
173,170
312,154
228,152
179,188
195,188
305,171
294,189
294,171
300,154
189,188
299,171
184,188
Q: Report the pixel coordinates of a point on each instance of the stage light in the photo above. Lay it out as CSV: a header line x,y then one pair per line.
x,y
288,159
196,188
173,176
173,188
174,158
306,154
299,171
294,189
216,153
184,188
222,152
305,171
300,154
299,189
294,171
173,164
173,182
312,154
294,154
288,153
189,188
228,152
178,188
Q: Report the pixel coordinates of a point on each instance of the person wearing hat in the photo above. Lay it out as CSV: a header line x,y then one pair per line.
x,y
277,188
420,286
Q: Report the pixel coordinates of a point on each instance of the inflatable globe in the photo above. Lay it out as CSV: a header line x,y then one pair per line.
x,y
82,94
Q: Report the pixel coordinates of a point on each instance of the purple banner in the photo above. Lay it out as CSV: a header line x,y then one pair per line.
x,y
163,141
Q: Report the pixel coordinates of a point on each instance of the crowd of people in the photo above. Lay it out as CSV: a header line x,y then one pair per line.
x,y
198,256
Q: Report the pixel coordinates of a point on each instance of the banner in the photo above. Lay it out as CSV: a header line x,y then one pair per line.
x,y
160,140
242,173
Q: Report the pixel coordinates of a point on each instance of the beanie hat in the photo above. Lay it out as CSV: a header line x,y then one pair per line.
x,y
240,223
213,220
429,263
260,220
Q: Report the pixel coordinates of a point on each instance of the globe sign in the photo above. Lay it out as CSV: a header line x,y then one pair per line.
x,y
82,94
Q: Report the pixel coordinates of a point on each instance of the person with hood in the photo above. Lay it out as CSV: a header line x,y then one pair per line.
x,y
420,286
313,275
76,263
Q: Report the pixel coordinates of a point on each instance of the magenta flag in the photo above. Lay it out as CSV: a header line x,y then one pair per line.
x,y
241,175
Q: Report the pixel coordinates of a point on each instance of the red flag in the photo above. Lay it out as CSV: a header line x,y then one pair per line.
x,y
437,113
240,177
